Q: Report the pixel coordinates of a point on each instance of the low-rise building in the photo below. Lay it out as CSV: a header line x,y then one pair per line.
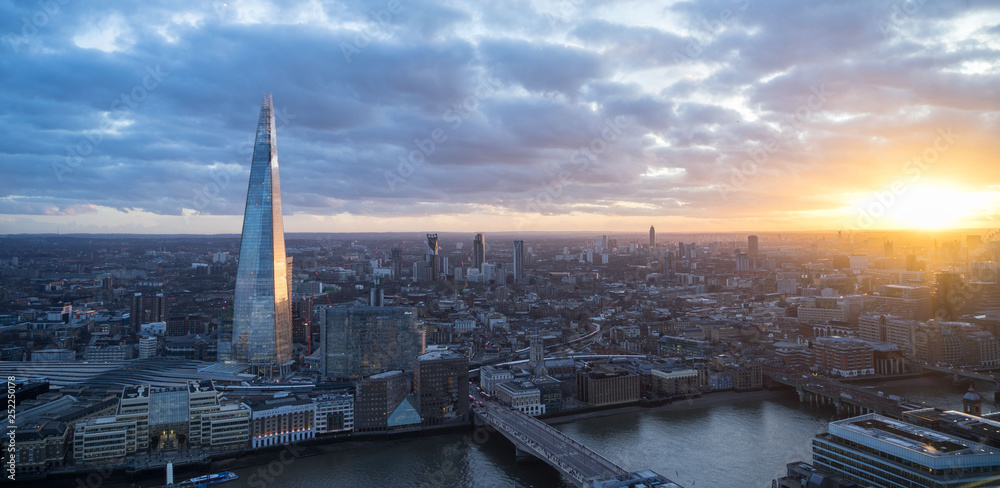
x,y
522,395
334,413
282,420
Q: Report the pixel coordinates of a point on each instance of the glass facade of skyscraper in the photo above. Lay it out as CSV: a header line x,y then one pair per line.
x,y
262,328
361,341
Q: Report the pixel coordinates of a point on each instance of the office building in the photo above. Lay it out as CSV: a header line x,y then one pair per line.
x,y
334,413
163,419
432,258
606,386
478,251
908,302
652,238
873,450
753,247
146,308
522,395
362,341
889,329
281,420
491,376
441,386
518,260
843,356
262,322
384,402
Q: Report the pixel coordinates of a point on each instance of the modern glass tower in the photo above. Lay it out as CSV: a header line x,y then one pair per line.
x,y
262,322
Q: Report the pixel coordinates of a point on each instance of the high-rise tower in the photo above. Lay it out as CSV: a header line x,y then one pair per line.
x,y
652,238
478,251
432,256
262,322
518,260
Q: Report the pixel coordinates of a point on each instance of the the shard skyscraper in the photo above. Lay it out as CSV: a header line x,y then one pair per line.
x,y
262,322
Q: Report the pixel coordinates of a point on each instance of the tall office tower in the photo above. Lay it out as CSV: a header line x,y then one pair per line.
x,y
262,323
518,260
652,238
604,242
432,256
478,251
397,263
361,341
753,249
147,308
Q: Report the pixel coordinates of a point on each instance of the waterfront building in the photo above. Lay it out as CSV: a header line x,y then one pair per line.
x,y
384,402
607,386
672,383
37,447
281,420
522,395
441,386
262,323
360,341
334,413
104,440
843,356
491,376
876,450
156,419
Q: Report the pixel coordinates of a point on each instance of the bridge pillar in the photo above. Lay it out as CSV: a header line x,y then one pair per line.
x,y
522,455
802,395
840,408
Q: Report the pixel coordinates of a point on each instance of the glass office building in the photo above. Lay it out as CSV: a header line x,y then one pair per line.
x,y
361,341
262,323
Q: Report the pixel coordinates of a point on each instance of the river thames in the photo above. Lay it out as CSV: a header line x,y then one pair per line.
x,y
739,444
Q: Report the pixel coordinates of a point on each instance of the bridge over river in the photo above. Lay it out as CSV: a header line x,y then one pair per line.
x,y
571,458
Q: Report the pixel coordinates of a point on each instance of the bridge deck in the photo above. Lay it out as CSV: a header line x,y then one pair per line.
x,y
559,450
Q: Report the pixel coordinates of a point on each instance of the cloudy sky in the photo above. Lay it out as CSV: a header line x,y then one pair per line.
x,y
416,116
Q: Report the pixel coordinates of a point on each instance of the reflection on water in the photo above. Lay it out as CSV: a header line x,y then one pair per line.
x,y
738,445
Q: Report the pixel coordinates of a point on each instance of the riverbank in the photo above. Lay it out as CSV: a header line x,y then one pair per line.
x,y
704,401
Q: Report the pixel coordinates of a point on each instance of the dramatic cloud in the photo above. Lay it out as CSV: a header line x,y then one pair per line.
x,y
412,115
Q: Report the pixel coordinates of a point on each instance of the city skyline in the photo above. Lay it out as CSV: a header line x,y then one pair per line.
x,y
696,117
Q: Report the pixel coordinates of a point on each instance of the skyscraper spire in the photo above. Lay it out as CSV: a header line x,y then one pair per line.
x,y
262,325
